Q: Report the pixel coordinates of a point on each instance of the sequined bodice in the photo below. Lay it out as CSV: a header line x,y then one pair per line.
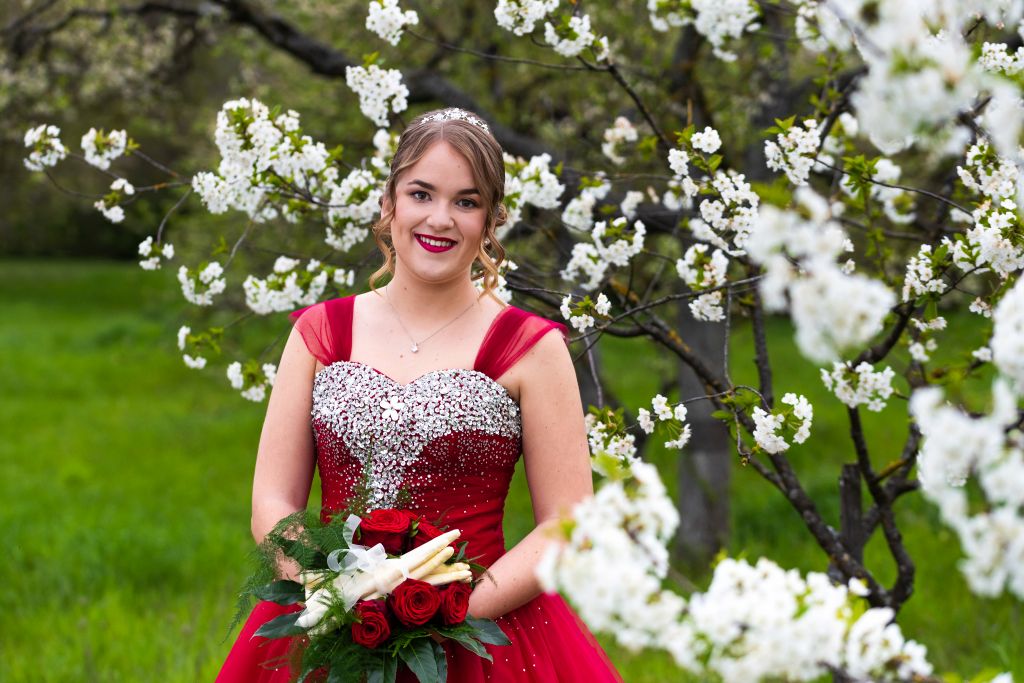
x,y
451,438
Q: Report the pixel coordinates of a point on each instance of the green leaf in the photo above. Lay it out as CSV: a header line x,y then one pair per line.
x,y
786,124
419,656
489,632
390,669
281,626
722,415
441,659
472,644
282,592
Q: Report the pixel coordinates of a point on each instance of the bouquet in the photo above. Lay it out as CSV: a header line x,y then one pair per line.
x,y
376,590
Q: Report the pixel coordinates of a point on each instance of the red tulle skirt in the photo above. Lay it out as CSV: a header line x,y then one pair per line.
x,y
550,644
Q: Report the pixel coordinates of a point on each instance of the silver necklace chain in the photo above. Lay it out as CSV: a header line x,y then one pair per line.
x,y
416,344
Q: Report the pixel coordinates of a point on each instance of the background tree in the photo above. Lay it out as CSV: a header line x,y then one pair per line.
x,y
861,262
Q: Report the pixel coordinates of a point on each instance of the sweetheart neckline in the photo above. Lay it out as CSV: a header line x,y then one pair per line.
x,y
426,374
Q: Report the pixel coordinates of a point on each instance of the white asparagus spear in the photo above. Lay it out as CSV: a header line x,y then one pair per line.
x,y
454,567
383,579
442,578
423,570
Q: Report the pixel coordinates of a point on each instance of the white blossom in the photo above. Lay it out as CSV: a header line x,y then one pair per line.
x,y
859,386
47,149
622,131
200,288
387,20
520,16
794,151
380,91
572,40
707,140
717,20
100,149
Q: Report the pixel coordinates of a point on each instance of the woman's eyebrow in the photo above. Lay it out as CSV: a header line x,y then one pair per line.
x,y
424,183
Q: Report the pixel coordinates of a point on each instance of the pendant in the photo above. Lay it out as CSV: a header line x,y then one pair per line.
x,y
415,348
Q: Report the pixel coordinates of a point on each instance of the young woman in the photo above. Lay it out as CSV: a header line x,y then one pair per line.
x,y
438,387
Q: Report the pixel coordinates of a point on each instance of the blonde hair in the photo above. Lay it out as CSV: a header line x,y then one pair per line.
x,y
487,165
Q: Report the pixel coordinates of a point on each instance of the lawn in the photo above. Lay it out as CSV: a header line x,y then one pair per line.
x,y
125,479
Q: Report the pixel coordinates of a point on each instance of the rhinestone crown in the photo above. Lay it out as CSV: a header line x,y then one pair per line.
x,y
456,113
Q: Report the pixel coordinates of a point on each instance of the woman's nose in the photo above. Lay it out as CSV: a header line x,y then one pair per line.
x,y
440,216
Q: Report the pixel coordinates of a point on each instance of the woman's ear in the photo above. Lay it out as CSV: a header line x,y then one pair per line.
x,y
385,203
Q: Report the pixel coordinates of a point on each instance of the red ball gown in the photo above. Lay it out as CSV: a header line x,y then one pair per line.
x,y
451,438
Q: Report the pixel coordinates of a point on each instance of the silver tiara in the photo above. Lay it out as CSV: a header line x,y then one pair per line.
x,y
456,113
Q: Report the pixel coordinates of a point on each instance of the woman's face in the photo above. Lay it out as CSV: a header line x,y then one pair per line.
x,y
439,216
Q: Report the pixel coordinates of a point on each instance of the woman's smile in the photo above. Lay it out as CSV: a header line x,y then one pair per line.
x,y
434,244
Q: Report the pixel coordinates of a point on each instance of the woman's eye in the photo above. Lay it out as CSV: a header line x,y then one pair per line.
x,y
470,204
418,192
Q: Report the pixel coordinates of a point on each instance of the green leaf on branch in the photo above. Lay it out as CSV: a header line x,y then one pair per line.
x,y
683,136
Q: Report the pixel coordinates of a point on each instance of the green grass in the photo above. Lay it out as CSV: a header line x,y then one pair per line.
x,y
126,479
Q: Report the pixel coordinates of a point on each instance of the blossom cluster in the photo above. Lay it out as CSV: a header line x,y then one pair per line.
x,y
260,157
387,20
528,183
770,429
991,240
200,287
989,447
380,91
573,35
861,385
252,380
615,559
612,448
720,21
754,622
109,204
521,16
152,253
47,149
593,259
921,277
793,151
290,287
921,71
578,213
102,148
352,205
581,314
701,270
187,344
832,310
621,131
730,216
670,418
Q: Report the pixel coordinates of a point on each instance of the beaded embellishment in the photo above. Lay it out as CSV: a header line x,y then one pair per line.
x,y
386,425
456,113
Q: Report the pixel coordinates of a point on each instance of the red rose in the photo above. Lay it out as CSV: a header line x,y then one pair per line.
x,y
387,527
424,532
414,602
373,627
454,603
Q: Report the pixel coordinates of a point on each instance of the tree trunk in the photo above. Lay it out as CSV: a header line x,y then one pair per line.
x,y
704,466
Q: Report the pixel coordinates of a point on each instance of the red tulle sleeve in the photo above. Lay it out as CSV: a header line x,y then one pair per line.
x,y
326,329
512,335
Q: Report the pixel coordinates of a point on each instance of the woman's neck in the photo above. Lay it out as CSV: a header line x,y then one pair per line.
x,y
417,300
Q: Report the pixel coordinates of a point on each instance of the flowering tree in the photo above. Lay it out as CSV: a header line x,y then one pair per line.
x,y
789,199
